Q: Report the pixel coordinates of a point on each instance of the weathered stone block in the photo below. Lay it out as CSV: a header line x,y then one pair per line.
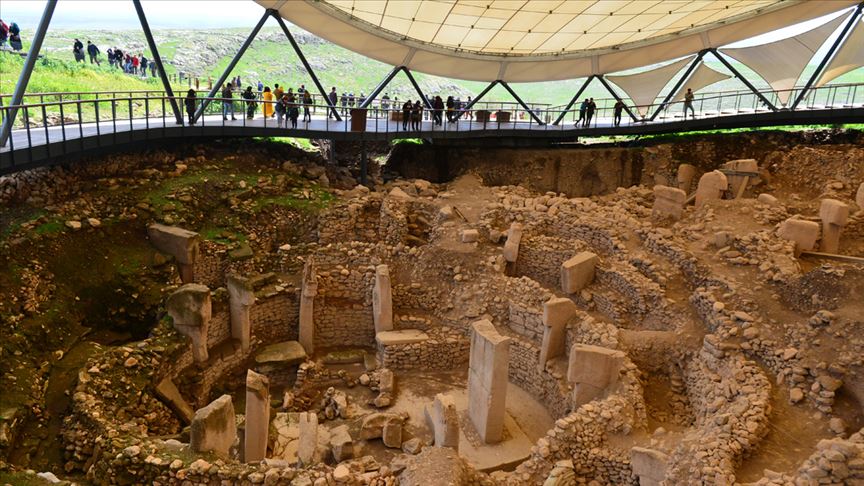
x,y
834,212
308,438
487,380
168,392
257,416
341,444
382,300
241,297
402,336
511,246
711,186
392,433
190,308
648,463
578,272
859,197
308,291
686,174
557,312
180,243
803,233
594,365
668,202
470,235
214,428
443,419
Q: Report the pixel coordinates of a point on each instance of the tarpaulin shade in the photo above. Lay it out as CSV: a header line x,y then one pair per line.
x,y
644,87
848,58
702,77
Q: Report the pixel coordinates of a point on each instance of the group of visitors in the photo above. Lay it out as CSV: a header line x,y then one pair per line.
x,y
129,63
10,33
586,112
412,113
276,103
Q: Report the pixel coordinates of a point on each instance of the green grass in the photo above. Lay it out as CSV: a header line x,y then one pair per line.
x,y
300,143
49,227
312,199
22,479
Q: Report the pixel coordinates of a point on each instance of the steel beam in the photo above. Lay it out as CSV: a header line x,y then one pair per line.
x,y
26,71
573,100
680,83
829,55
309,70
615,95
145,26
519,100
741,77
482,94
383,84
417,87
218,85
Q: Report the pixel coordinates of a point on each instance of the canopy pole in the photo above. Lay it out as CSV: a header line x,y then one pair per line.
x,y
741,77
145,26
519,100
24,77
417,87
306,65
615,95
231,66
828,55
680,83
482,94
573,100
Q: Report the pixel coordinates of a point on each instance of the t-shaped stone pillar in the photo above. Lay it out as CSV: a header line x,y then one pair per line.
x,y
382,300
578,272
190,308
487,380
511,246
180,243
240,300
712,185
214,427
649,465
686,174
257,416
308,441
443,419
803,233
834,215
556,313
668,202
308,291
591,370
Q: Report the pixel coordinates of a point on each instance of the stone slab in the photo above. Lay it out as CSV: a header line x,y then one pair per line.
x,y
594,365
180,243
214,427
287,352
404,336
578,272
168,392
504,455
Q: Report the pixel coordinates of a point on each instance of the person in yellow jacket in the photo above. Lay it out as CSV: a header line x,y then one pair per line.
x,y
267,97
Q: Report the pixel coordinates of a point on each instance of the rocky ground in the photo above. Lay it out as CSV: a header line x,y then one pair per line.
x,y
80,280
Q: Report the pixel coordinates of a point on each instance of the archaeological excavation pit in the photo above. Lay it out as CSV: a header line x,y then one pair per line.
x,y
253,315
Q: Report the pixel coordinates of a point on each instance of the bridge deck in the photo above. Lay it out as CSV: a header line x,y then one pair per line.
x,y
47,145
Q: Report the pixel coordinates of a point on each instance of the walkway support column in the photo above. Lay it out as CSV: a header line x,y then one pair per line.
x,y
275,14
218,85
828,55
24,78
145,26
574,99
617,98
744,80
680,83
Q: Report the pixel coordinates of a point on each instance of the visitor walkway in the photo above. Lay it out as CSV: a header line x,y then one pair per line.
x,y
42,138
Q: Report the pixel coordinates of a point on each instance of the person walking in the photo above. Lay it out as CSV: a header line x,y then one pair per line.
x,y
688,103
307,106
278,91
416,115
78,51
582,108
227,102
344,102
267,102
251,105
260,86
437,110
15,37
333,97
190,102
619,107
143,63
135,62
451,106
385,105
4,33
281,109
93,51
293,109
406,114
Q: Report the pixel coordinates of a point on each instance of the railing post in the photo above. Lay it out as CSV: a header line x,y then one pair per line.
x,y
26,71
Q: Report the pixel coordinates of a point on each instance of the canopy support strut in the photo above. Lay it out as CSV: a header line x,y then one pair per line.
x,y
386,81
680,83
743,79
615,95
573,100
145,26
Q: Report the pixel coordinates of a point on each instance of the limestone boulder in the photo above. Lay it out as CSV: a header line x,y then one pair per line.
x,y
803,233
191,309
711,186
578,272
214,427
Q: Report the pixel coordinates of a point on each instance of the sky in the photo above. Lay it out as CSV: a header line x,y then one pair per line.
x,y
209,14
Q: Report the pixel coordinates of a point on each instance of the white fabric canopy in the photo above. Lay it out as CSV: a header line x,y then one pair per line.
x,y
849,58
532,44
644,87
703,76
781,63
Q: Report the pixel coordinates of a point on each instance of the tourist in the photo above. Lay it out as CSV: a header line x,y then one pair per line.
x,y
251,105
688,103
406,114
4,33
190,105
78,51
307,105
344,102
468,112
260,86
227,102
153,72
619,107
416,115
293,109
278,92
135,62
333,97
267,101
281,108
93,51
589,113
385,104
15,37
437,110
451,109
118,58
143,63
582,108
